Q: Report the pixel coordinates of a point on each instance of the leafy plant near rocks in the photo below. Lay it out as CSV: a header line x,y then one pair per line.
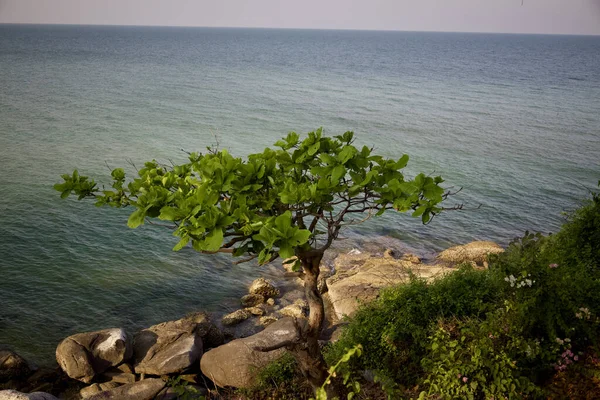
x,y
500,333
283,202
182,389
471,358
394,330
352,385
280,379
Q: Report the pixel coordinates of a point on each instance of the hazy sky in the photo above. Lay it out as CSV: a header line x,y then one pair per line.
x,y
533,16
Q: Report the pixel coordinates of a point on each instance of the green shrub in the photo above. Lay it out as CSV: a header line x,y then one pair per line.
x,y
477,359
394,329
281,379
553,281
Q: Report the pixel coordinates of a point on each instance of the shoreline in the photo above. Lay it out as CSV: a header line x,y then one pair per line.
x,y
284,280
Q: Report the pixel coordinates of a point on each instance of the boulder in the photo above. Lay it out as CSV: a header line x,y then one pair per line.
x,y
13,366
238,362
263,287
299,309
14,395
252,300
255,311
235,317
360,276
84,355
474,252
117,376
146,389
47,379
91,390
170,347
267,320
411,258
389,253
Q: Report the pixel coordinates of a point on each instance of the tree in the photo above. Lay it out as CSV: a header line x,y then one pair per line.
x,y
292,201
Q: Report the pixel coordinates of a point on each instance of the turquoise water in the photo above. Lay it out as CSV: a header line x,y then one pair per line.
x,y
513,119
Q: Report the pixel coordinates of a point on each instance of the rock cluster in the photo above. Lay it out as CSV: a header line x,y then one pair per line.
x,y
360,276
110,364
260,302
237,362
12,365
84,355
475,253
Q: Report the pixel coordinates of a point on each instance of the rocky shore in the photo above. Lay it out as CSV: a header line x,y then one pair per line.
x,y
203,351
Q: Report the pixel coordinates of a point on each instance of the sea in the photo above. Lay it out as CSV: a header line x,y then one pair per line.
x,y
511,120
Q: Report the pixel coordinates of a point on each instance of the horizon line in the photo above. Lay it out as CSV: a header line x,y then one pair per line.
x,y
295,28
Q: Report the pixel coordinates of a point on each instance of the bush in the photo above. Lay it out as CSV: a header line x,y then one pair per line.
x,y
394,329
499,333
280,380
471,359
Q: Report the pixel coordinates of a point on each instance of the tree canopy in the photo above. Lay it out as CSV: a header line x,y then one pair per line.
x,y
294,198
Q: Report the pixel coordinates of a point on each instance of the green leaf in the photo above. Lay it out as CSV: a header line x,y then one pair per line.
x,y
286,251
419,211
118,173
284,222
136,218
213,241
402,162
300,237
182,243
338,173
171,214
314,148
346,154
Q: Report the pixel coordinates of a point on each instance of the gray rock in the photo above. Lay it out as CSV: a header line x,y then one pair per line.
x,y
474,252
255,311
360,277
411,258
322,285
263,287
238,362
299,309
267,320
142,390
13,366
169,347
118,376
91,390
14,395
252,300
235,317
84,355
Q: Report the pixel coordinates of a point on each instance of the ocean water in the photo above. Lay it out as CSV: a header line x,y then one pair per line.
x,y
512,119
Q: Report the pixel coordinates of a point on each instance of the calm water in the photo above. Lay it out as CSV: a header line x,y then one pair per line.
x,y
513,119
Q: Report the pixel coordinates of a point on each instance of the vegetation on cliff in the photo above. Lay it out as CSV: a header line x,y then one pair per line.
x,y
526,327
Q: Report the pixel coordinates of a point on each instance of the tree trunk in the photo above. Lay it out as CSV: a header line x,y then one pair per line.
x,y
308,354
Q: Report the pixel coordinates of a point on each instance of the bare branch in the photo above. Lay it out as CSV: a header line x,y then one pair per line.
x,y
221,250
245,260
150,222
